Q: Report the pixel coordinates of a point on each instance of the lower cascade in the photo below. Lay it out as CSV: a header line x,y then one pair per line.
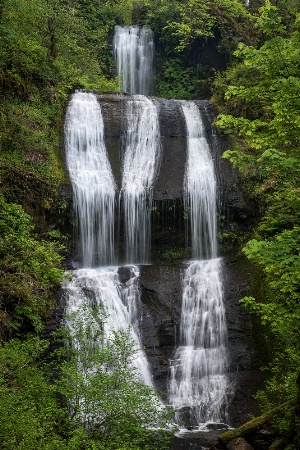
x,y
198,383
102,287
198,386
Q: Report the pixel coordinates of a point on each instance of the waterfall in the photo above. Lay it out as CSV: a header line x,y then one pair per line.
x,y
134,52
140,164
102,287
94,198
198,384
199,186
92,180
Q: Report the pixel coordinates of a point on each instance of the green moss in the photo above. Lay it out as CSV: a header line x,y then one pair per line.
x,y
178,253
254,424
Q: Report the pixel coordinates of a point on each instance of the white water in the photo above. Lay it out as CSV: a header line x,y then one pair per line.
x,y
198,381
102,287
141,160
200,186
92,180
134,52
197,374
94,199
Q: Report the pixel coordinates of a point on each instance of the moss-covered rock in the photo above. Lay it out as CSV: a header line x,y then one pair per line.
x,y
253,425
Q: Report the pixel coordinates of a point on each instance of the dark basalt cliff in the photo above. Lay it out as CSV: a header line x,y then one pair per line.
x,y
169,181
168,224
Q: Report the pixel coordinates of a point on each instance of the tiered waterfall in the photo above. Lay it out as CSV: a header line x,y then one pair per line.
x,y
109,217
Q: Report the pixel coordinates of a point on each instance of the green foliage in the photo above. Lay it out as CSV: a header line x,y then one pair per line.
x,y
172,83
227,240
103,388
29,271
51,42
183,22
31,417
258,423
199,18
178,253
48,47
269,22
110,408
183,30
260,104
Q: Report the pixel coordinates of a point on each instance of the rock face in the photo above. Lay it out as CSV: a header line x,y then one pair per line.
x,y
160,282
168,185
168,223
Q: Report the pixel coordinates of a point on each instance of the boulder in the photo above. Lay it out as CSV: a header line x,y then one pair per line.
x,y
238,444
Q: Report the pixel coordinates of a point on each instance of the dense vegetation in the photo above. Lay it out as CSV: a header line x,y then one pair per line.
x,y
261,114
248,59
108,405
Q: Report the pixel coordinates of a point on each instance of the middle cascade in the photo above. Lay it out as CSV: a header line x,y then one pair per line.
x,y
198,385
141,160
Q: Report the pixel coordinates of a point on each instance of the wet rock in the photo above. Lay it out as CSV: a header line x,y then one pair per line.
x,y
113,108
161,294
161,307
245,344
185,416
238,444
195,440
217,426
124,274
169,182
260,444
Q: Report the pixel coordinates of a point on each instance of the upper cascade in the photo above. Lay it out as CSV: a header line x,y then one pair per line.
x,y
134,55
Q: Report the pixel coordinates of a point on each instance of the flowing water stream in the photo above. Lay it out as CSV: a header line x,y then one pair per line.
x,y
92,180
